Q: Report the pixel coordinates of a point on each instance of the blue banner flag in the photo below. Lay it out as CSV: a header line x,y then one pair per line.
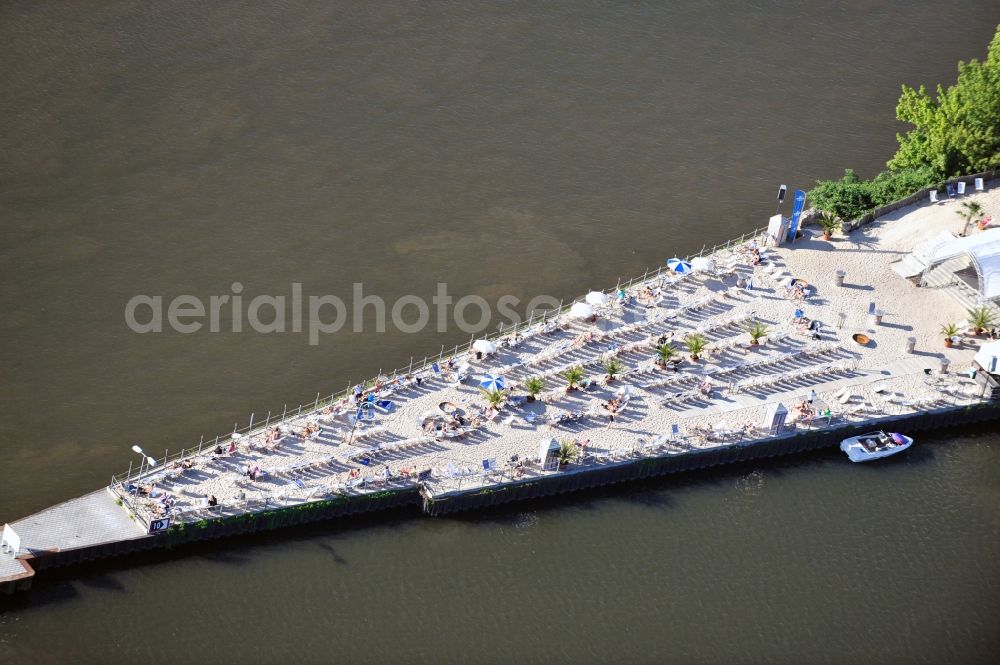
x,y
797,207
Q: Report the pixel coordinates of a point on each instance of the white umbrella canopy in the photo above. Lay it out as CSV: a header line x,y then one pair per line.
x,y
596,298
484,346
703,263
581,310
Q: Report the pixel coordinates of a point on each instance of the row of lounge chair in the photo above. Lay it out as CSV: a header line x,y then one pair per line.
x,y
957,189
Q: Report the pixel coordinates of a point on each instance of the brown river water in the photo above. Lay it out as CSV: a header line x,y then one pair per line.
x,y
500,148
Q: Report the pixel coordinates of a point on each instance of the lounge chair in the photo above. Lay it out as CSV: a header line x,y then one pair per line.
x,y
951,190
979,185
934,196
961,189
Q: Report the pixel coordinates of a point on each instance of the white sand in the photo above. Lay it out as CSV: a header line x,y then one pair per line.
x,y
865,256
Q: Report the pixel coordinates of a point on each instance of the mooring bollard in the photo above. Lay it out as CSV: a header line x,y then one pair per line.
x,y
838,280
911,343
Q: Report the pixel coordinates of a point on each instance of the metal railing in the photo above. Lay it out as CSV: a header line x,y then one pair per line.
x,y
535,319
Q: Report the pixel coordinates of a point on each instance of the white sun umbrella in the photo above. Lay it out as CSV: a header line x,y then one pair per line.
x,y
679,265
596,298
484,346
492,382
581,310
703,263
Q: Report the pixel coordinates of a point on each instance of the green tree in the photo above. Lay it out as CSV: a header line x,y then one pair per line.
x,y
891,186
568,452
696,343
847,198
573,375
757,329
981,318
534,385
495,398
969,211
664,352
830,223
612,367
958,131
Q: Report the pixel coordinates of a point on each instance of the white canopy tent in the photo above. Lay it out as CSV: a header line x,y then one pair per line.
x,y
988,357
920,259
985,257
774,418
548,454
983,250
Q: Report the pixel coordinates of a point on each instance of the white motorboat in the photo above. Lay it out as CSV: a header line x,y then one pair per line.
x,y
874,445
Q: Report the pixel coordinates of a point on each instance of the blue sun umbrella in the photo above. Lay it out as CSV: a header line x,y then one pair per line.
x,y
679,265
491,383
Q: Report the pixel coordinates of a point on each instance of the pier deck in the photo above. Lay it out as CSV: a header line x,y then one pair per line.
x,y
89,520
319,456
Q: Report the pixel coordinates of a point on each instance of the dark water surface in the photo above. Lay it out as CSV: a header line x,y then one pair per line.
x,y
517,148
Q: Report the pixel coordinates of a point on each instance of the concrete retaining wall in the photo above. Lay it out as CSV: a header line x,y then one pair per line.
x,y
557,483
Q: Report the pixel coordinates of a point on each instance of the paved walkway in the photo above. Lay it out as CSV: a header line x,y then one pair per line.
x,y
10,568
91,519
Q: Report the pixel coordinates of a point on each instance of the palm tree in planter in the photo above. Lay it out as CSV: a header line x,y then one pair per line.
x,y
981,318
612,366
696,344
756,330
495,398
534,385
949,330
664,352
568,452
969,211
830,223
574,375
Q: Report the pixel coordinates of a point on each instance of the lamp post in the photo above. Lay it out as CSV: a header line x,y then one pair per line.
x,y
144,460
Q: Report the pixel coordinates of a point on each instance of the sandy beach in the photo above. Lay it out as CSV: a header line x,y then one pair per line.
x,y
436,427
